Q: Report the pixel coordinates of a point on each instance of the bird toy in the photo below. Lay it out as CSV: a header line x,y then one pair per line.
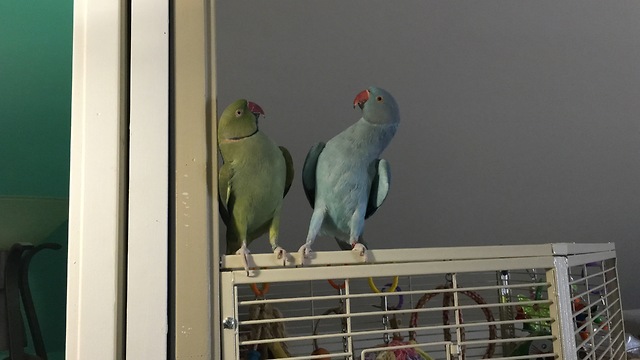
x,y
447,302
395,348
583,314
319,350
535,311
537,328
336,310
400,351
583,317
337,286
393,286
269,330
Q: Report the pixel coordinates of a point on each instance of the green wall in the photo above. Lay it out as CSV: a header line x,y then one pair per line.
x,y
35,117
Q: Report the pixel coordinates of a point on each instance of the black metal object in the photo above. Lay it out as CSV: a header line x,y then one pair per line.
x,y
16,287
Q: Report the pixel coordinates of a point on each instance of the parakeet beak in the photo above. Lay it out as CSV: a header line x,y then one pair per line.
x,y
255,109
361,98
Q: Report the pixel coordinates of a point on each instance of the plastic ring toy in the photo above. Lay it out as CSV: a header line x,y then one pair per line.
x,y
336,285
394,285
260,292
400,298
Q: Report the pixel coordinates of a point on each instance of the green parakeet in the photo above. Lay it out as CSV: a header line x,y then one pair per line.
x,y
344,179
255,176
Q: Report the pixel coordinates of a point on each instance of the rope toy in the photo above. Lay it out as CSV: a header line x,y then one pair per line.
x,y
447,301
410,353
270,330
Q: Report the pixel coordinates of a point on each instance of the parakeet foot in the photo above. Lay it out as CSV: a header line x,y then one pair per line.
x,y
281,255
305,251
361,250
244,251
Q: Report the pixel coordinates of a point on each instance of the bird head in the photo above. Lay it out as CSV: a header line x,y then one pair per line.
x,y
239,120
378,106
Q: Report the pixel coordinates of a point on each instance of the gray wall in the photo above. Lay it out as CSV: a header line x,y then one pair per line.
x,y
519,119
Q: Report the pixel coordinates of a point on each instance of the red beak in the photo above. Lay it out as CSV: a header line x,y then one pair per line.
x,y
361,98
255,108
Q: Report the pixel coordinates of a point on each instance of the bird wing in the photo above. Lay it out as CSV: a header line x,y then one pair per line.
x,y
379,186
309,172
288,160
225,195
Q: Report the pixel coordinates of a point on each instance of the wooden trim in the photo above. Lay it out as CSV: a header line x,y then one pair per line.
x,y
191,300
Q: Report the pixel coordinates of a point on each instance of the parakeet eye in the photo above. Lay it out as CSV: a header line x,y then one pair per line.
x,y
239,112
379,99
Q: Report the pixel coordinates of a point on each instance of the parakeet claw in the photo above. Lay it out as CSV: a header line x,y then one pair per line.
x,y
361,250
304,251
244,251
281,255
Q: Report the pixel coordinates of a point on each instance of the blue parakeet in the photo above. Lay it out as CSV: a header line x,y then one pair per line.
x,y
344,179
255,176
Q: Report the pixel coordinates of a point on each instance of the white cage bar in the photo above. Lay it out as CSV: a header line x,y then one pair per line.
x,y
548,301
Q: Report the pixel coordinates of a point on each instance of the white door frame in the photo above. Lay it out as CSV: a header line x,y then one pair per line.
x,y
97,203
100,181
147,242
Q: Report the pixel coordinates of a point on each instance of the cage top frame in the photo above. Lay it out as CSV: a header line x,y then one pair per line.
x,y
408,255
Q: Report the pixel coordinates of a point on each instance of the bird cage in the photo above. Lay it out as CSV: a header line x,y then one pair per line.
x,y
502,302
